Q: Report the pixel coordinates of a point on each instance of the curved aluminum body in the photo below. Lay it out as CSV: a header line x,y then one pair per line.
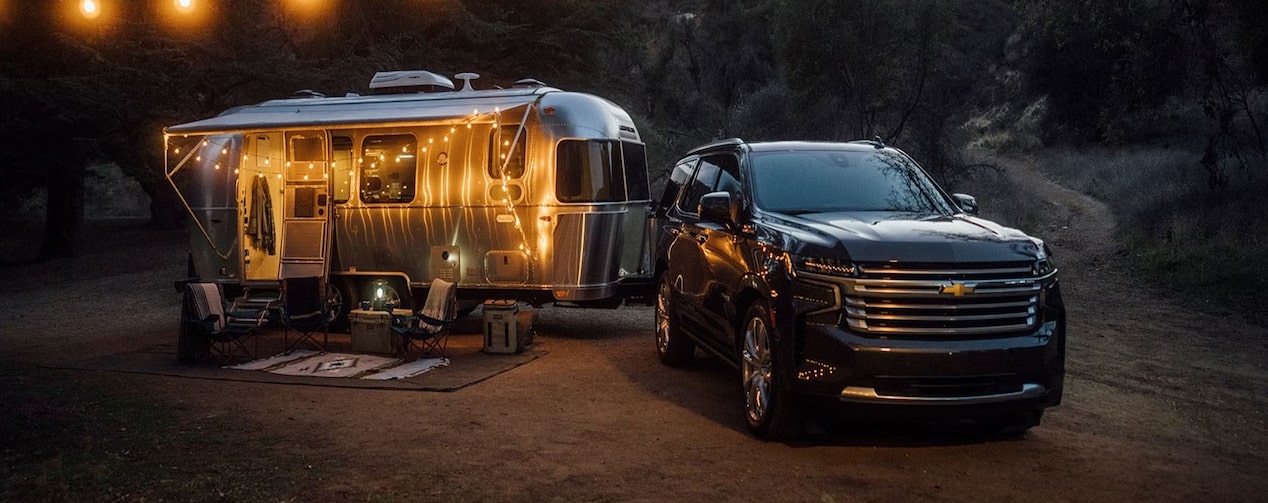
x,y
491,205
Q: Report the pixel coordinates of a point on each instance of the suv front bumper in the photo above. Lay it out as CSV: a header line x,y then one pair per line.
x,y
1025,371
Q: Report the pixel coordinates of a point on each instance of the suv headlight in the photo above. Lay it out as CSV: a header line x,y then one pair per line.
x,y
1043,266
821,265
1043,259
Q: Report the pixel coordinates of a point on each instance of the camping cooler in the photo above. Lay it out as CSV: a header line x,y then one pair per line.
x,y
372,331
507,329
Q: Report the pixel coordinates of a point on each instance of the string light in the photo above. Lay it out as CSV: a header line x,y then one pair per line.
x,y
90,9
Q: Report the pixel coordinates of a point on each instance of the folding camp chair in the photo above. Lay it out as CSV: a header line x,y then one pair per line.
x,y
304,310
208,328
428,329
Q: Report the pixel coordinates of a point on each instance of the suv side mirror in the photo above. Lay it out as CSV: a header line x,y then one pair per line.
x,y
966,202
720,207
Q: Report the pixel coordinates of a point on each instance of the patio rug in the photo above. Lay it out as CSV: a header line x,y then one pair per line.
x,y
467,365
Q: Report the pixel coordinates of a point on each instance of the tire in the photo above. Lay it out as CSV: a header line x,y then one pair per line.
x,y
340,306
770,407
673,348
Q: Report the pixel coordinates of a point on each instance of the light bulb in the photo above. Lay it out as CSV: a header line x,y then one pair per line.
x,y
90,9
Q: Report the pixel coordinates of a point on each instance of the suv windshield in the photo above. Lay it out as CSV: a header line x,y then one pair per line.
x,y
812,181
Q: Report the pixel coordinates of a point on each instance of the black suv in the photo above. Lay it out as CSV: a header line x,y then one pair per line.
x,y
842,271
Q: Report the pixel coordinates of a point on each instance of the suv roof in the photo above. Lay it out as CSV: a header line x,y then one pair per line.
x,y
773,146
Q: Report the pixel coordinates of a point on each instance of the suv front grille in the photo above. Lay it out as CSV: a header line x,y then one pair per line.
x,y
961,300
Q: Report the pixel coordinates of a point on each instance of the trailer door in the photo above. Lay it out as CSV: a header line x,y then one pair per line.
x,y
306,221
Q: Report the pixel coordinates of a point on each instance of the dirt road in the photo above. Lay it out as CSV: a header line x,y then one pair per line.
x,y
1164,402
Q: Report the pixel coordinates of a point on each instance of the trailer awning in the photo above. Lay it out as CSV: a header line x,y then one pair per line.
x,y
357,110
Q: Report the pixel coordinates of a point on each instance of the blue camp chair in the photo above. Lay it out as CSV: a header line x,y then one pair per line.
x,y
304,310
209,327
428,329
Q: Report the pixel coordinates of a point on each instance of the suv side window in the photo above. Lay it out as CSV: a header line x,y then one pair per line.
x,y
719,172
677,178
729,178
706,177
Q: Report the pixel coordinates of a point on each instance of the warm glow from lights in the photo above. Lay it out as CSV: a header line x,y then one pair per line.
x,y
185,5
90,9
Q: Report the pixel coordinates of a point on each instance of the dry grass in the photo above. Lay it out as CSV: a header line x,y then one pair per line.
x,y
1174,230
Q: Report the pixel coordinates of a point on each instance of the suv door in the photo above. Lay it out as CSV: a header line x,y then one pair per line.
x,y
703,279
721,252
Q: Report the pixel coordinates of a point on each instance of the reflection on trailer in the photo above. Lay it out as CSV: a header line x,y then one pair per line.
x,y
530,193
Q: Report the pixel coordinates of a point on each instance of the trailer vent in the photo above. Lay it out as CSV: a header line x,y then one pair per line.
x,y
409,81
529,83
307,93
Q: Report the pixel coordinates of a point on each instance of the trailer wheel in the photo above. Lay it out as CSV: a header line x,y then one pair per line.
x,y
339,304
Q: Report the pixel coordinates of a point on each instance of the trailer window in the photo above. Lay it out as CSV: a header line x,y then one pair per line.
x,y
507,145
388,164
341,164
635,163
586,172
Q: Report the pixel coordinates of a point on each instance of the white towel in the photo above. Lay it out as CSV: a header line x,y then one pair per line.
x,y
440,300
207,302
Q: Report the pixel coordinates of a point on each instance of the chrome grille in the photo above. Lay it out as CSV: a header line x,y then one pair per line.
x,y
961,300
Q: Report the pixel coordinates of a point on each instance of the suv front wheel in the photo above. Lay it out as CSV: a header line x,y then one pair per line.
x,y
769,406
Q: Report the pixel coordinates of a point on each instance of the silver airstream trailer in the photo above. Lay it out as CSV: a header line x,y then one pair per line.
x,y
528,193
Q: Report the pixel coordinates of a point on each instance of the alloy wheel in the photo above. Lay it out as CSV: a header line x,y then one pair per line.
x,y
662,318
756,363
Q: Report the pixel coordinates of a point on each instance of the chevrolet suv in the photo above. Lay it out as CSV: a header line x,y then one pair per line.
x,y
842,271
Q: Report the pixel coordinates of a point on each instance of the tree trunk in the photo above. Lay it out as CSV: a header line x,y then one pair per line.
x,y
166,210
64,214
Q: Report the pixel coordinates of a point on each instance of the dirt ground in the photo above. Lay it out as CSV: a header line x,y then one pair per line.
x,y
1166,400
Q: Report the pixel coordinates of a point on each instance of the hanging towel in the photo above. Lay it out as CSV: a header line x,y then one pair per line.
x,y
260,217
440,305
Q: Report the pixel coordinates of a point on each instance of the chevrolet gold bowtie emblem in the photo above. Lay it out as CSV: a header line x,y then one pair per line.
x,y
956,289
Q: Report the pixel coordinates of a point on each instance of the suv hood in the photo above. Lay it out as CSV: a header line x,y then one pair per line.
x,y
872,236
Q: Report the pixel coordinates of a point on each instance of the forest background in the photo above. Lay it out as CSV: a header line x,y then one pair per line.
x,y
1156,106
